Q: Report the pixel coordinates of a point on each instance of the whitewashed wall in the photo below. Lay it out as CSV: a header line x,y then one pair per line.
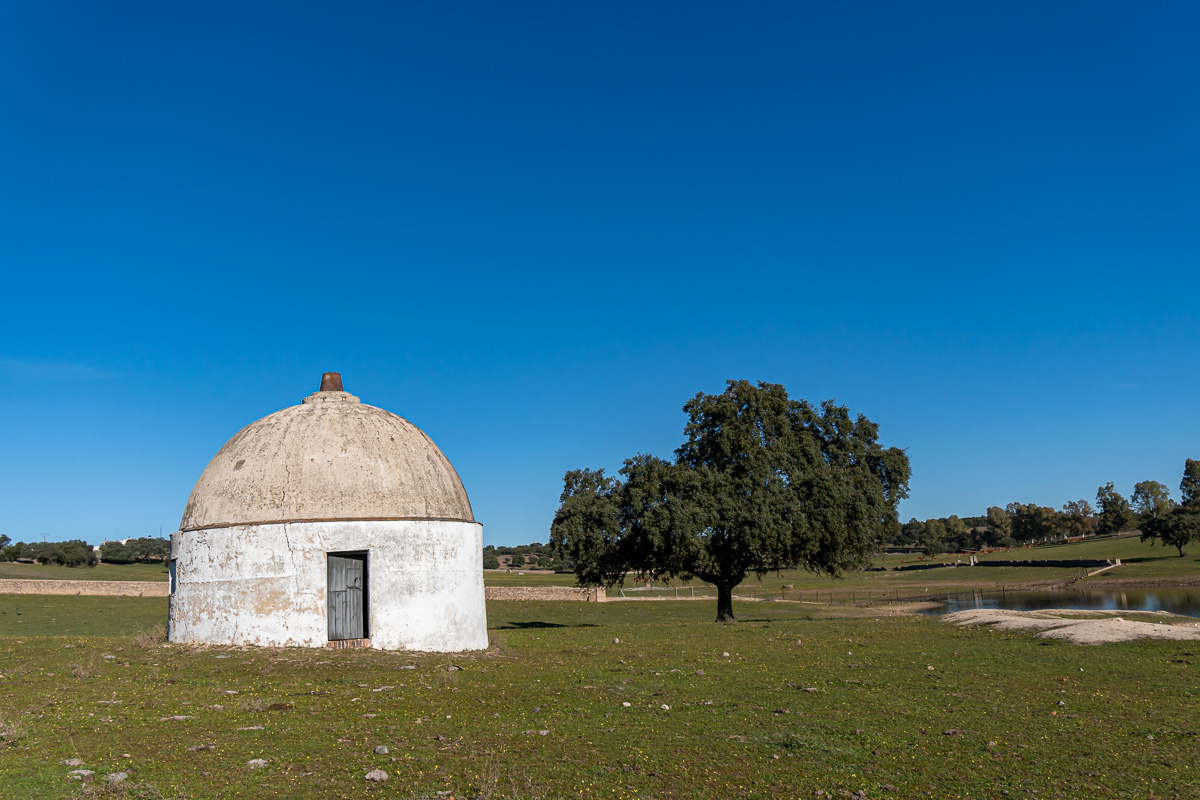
x,y
265,584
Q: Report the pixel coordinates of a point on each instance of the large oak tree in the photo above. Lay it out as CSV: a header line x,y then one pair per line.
x,y
762,483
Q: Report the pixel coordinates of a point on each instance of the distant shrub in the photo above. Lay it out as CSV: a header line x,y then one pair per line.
x,y
148,549
71,553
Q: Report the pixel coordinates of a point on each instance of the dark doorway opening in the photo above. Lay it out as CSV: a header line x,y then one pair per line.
x,y
348,601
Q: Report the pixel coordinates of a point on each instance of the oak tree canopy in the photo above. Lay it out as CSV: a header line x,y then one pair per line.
x,y
762,483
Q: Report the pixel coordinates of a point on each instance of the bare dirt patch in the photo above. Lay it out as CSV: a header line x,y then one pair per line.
x,y
1082,627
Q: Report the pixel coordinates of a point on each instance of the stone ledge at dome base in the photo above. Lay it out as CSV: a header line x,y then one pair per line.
x,y
219,525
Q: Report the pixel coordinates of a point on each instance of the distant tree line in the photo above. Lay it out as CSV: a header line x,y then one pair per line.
x,y
145,550
78,553
71,553
1149,509
534,554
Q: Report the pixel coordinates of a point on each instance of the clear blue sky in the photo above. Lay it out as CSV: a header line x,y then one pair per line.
x,y
537,229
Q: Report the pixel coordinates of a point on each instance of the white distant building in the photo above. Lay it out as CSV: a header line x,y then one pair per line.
x,y
329,523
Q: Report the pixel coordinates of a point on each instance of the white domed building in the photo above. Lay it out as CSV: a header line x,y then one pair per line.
x,y
330,523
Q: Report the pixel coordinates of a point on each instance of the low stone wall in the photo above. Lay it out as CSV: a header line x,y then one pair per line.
x,y
586,595
104,588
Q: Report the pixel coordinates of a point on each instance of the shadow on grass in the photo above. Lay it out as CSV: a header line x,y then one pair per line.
x,y
540,624
1146,559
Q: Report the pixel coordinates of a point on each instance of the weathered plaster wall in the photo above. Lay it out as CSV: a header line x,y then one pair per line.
x,y
106,588
265,584
545,593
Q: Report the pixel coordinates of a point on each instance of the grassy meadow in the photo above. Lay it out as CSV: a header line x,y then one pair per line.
x,y
596,700
1142,563
100,572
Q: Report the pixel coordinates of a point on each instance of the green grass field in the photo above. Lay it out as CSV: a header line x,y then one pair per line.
x,y
100,572
782,704
1141,563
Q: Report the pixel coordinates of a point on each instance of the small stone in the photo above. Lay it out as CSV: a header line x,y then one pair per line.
x,y
699,672
74,762
126,755
616,640
252,728
929,668
626,705
543,732
381,750
85,775
376,775
1149,735
665,707
230,691
117,777
724,655
1061,703
256,763
223,655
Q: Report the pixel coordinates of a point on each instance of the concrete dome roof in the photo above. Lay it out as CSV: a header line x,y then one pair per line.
x,y
330,458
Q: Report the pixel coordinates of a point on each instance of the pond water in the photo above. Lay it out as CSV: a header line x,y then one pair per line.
x,y
1183,600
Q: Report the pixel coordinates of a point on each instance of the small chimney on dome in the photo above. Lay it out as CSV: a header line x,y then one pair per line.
x,y
332,382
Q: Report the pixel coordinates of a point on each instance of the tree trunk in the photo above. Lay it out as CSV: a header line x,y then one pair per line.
x,y
725,603
1179,547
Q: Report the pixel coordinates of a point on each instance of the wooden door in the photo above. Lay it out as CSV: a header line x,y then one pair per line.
x,y
347,595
